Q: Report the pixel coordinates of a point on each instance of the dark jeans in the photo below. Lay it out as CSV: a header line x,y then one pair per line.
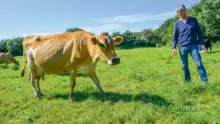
x,y
193,50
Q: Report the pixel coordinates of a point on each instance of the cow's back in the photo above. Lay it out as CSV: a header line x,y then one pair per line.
x,y
53,53
5,57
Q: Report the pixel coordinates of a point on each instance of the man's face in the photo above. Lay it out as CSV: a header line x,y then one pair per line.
x,y
181,13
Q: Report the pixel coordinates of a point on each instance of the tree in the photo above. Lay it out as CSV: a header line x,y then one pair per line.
x,y
129,39
114,34
3,46
14,46
165,31
211,19
73,29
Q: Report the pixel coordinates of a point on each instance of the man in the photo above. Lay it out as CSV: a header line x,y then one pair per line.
x,y
186,30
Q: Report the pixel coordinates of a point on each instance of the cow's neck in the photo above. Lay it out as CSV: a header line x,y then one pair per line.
x,y
93,53
95,56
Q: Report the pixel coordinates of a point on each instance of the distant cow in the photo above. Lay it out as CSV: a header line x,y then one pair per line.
x,y
69,52
7,58
208,44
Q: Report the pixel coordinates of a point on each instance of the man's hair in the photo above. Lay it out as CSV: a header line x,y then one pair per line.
x,y
181,7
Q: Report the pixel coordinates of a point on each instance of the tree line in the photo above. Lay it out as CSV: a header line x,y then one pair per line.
x,y
14,46
145,38
206,11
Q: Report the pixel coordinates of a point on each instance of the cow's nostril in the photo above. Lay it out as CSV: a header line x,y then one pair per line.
x,y
115,60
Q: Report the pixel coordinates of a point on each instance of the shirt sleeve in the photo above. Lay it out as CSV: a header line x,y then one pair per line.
x,y
199,32
175,36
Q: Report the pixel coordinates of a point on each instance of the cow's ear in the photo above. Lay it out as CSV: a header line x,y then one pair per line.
x,y
94,40
118,40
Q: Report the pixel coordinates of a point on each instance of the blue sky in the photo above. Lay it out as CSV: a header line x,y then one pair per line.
x,y
42,17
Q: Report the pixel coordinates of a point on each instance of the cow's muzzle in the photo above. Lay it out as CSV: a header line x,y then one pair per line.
x,y
115,60
17,63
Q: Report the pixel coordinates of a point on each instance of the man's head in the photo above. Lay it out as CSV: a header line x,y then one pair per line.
x,y
181,11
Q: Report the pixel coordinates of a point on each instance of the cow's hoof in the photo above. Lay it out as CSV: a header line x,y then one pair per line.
x,y
101,92
38,97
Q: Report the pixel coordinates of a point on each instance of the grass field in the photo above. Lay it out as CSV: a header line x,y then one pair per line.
x,y
147,87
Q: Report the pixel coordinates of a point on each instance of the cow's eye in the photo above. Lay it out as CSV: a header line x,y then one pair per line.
x,y
102,45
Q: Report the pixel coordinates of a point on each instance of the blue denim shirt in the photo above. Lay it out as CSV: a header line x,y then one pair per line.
x,y
185,33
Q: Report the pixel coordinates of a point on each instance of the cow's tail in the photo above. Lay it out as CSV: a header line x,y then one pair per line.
x,y
23,65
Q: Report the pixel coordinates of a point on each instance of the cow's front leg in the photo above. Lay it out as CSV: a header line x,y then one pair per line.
x,y
37,83
32,76
36,94
5,65
96,81
72,84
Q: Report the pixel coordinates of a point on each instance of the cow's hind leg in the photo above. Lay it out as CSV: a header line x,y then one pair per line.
x,y
72,75
96,81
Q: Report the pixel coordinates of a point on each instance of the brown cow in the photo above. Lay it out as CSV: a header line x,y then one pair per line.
x,y
69,52
7,58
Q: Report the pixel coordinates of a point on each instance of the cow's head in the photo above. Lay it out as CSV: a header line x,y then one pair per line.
x,y
17,63
105,48
12,59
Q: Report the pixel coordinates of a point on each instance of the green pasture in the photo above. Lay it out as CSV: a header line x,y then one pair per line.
x,y
147,87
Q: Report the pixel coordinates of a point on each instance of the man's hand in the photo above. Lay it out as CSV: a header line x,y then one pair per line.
x,y
202,47
174,52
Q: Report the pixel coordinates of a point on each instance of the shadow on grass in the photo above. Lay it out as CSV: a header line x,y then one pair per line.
x,y
3,67
212,52
77,75
115,97
211,88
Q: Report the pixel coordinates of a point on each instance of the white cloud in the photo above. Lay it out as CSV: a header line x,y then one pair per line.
x,y
155,26
122,23
129,22
24,34
136,29
137,18
3,37
97,30
39,33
